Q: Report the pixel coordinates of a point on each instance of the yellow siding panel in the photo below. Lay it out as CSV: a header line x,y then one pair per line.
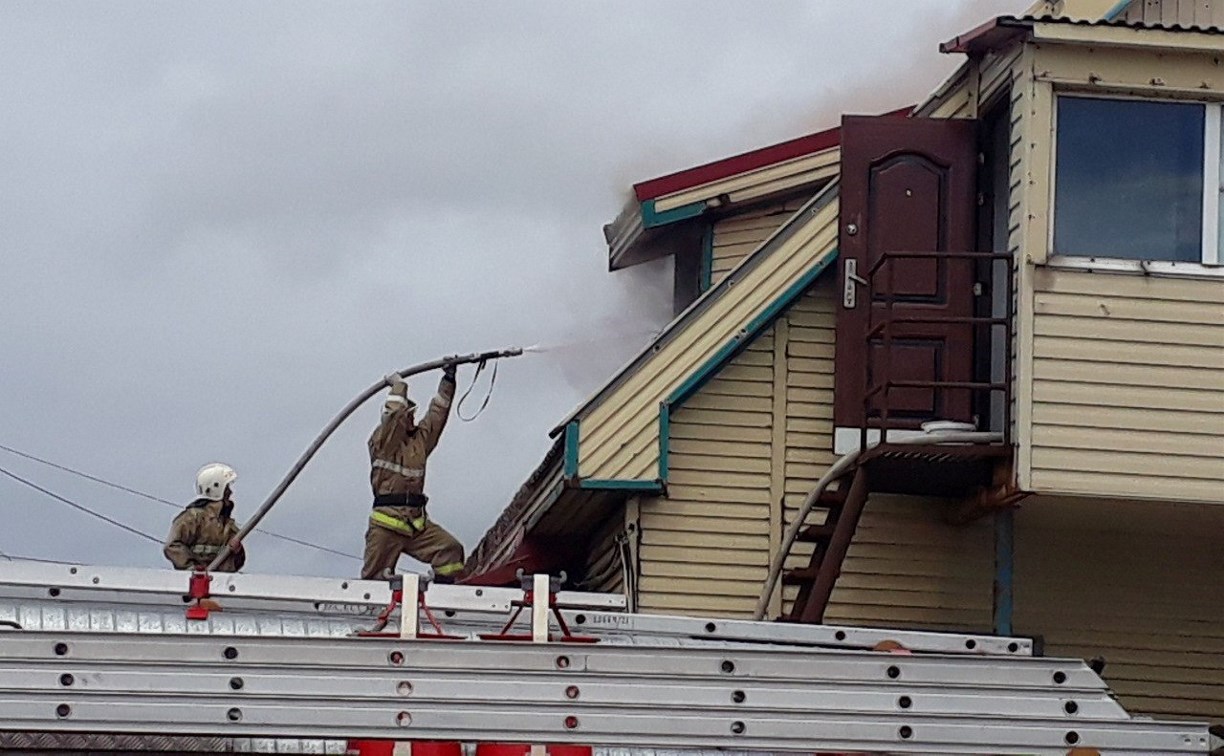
x,y
1132,308
1131,374
1139,485
1092,580
1171,289
1127,386
739,236
1129,331
619,437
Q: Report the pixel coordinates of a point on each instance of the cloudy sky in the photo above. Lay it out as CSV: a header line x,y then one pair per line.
x,y
219,222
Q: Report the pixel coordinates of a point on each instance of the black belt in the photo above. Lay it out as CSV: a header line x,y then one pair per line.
x,y
400,500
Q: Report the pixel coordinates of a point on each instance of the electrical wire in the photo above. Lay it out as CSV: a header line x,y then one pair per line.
x,y
165,502
81,507
19,558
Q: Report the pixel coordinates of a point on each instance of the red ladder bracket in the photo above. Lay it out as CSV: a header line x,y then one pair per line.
x,y
197,589
531,590
420,607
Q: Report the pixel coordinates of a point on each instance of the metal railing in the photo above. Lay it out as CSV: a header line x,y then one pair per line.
x,y
883,385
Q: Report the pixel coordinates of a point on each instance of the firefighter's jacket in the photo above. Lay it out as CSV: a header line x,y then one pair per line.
x,y
198,534
399,449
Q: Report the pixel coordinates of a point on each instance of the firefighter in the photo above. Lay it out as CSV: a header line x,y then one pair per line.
x,y
200,531
399,523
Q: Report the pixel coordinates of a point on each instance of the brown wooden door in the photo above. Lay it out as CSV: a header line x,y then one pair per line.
x,y
907,185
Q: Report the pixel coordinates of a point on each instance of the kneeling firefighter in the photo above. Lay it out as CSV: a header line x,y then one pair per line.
x,y
399,448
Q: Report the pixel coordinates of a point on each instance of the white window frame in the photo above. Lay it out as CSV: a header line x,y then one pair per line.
x,y
1211,262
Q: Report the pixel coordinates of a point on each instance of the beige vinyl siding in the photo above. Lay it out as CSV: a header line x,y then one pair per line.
x,y
1136,583
1128,386
909,568
619,436
1204,13
740,235
705,548
905,567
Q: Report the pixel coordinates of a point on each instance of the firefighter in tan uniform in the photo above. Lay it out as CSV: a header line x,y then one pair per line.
x,y
200,531
399,448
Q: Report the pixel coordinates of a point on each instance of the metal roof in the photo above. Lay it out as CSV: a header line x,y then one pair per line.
x,y
1001,30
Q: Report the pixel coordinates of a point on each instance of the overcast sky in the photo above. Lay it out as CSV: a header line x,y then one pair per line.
x,y
221,221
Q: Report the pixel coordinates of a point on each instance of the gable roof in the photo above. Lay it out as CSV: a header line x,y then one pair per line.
x,y
643,229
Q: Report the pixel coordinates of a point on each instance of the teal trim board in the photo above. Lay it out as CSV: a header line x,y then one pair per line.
x,y
664,439
706,279
646,486
1113,13
653,219
571,450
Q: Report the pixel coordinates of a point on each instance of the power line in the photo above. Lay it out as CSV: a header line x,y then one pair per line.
x,y
81,507
19,558
165,502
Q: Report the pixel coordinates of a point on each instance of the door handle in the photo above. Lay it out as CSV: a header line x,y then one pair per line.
x,y
849,292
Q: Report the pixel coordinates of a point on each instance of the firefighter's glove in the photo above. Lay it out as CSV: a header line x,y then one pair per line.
x,y
448,372
393,379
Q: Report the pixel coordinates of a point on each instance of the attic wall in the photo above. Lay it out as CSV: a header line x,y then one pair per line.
x,y
739,235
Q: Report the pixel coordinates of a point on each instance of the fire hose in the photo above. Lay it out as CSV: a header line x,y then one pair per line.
x,y
479,357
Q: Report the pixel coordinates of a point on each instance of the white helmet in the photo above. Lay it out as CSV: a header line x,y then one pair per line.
x,y
213,479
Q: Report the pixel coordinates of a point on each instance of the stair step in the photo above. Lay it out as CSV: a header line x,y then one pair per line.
x,y
799,576
831,497
816,533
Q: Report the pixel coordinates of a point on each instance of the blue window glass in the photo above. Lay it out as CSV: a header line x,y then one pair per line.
x,y
1129,179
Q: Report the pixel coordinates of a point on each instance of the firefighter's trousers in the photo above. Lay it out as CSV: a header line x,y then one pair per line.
x,y
408,530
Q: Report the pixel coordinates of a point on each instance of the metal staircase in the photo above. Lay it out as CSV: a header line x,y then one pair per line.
x,y
843,507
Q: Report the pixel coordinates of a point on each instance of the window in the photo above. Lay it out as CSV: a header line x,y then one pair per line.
x,y
1138,180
